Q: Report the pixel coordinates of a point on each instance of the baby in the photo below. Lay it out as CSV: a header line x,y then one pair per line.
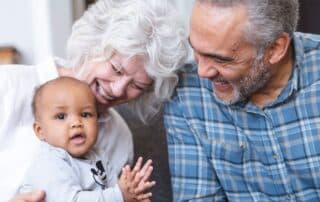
x,y
67,168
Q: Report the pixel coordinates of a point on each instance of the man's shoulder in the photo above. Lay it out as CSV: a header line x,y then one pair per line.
x,y
307,36
305,43
307,58
190,84
188,76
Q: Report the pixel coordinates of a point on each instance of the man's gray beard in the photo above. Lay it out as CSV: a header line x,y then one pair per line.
x,y
258,77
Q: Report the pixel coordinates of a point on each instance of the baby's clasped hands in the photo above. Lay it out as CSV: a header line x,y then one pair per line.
x,y
135,183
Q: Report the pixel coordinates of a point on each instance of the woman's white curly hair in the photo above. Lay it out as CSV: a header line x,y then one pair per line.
x,y
150,28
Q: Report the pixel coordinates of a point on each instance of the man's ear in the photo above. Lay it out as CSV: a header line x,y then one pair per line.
x,y
38,130
278,49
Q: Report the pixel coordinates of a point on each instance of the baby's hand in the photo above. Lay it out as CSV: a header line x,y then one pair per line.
x,y
35,196
135,184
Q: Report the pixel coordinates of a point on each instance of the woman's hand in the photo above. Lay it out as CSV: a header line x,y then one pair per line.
x,y
35,196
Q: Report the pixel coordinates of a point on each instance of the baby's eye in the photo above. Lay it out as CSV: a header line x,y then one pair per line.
x,y
60,116
86,114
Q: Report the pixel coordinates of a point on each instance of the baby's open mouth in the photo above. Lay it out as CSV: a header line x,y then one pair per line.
x,y
78,139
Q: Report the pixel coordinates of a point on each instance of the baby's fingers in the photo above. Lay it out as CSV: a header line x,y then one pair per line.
x,y
145,200
147,173
146,166
135,170
138,165
144,197
137,179
144,186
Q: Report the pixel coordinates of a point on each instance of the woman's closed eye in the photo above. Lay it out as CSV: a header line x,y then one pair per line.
x,y
135,86
116,69
141,86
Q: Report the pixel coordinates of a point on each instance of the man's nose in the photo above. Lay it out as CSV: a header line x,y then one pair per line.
x,y
119,87
206,68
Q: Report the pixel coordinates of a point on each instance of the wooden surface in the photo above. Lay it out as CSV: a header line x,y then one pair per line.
x,y
8,55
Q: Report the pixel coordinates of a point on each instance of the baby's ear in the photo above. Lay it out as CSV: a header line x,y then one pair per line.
x,y
38,130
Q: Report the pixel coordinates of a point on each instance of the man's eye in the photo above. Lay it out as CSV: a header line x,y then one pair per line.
x,y
60,116
223,60
220,61
86,114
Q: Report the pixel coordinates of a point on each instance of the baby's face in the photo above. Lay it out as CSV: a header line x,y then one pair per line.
x,y
67,117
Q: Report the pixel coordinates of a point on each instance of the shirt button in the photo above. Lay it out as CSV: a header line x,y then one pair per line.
x,y
275,156
242,146
288,197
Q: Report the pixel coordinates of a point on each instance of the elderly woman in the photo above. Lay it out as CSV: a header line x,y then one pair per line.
x,y
127,51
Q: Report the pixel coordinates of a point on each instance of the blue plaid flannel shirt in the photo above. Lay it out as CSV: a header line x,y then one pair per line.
x,y
243,153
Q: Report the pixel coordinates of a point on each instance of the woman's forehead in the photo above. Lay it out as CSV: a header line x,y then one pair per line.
x,y
129,64
126,60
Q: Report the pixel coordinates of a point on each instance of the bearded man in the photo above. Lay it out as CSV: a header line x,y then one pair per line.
x,y
247,127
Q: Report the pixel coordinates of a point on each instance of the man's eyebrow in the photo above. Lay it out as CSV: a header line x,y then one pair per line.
x,y
212,55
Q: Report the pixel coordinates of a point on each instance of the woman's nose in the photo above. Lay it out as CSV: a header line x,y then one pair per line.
x,y
119,86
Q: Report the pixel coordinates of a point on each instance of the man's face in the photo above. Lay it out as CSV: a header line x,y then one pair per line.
x,y
222,54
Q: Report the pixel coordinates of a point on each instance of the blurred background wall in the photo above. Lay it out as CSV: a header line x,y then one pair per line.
x,y
40,28
309,13
36,28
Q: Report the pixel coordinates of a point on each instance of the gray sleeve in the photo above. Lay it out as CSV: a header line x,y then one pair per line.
x,y
57,176
111,194
115,141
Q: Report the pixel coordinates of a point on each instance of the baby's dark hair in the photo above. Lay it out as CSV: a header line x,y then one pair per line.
x,y
38,90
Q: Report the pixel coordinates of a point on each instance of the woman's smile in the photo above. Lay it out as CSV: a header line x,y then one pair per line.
x,y
101,94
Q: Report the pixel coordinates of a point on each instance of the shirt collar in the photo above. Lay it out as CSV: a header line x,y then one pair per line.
x,y
293,83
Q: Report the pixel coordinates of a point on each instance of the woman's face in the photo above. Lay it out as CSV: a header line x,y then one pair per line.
x,y
117,80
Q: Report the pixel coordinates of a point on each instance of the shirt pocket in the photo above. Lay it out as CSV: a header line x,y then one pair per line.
x,y
230,153
228,161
